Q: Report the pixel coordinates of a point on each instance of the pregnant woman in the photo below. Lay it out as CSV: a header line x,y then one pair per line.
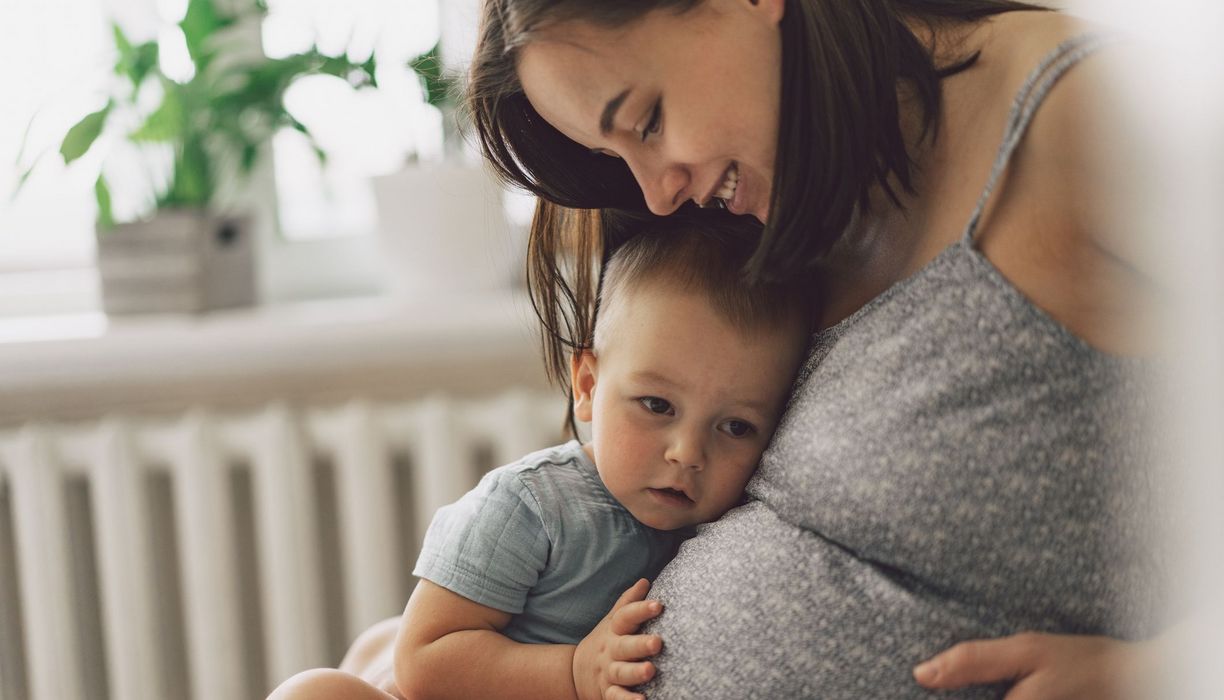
x,y
962,455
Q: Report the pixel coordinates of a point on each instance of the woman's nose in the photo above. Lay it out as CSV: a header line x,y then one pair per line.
x,y
664,186
686,448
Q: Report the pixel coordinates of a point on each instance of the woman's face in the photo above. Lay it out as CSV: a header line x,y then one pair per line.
x,y
690,101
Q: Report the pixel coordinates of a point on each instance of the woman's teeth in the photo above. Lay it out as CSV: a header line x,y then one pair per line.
x,y
727,190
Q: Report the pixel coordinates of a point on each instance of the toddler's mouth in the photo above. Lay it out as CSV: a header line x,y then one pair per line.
x,y
672,497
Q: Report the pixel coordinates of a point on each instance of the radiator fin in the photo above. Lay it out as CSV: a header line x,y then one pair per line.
x,y
212,554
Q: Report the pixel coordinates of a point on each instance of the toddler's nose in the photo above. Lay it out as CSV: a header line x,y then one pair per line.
x,y
687,450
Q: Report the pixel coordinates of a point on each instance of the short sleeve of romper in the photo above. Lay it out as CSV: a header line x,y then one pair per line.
x,y
489,546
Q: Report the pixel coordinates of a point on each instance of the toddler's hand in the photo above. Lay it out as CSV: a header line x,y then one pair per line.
x,y
611,656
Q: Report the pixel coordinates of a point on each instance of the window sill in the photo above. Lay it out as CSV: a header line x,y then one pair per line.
x,y
84,365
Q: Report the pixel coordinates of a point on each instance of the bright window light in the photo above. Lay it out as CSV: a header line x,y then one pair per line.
x,y
58,61
365,133
60,55
173,55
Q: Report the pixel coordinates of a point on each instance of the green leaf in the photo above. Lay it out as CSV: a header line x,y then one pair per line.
x,y
135,62
25,137
126,50
310,139
434,81
166,123
25,174
369,68
21,180
192,175
106,217
249,154
297,125
200,24
145,62
357,75
83,134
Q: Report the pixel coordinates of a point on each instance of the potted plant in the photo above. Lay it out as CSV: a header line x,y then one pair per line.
x,y
190,255
442,225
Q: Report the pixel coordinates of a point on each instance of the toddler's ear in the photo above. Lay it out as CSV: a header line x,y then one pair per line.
x,y
583,368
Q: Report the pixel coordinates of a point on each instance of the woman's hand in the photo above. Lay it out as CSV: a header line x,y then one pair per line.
x,y
611,657
1043,666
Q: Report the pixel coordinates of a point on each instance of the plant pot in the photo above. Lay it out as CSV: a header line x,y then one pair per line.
x,y
179,261
443,229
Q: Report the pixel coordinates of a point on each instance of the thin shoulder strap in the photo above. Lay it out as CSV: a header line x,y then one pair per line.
x,y
1025,105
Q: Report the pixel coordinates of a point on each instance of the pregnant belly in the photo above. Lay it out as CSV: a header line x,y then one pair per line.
x,y
755,607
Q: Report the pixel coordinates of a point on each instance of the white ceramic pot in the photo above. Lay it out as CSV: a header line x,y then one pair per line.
x,y
443,230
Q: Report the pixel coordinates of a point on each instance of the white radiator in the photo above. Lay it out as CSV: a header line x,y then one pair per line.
x,y
211,555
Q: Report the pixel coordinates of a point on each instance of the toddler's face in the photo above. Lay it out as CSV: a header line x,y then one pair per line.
x,y
681,404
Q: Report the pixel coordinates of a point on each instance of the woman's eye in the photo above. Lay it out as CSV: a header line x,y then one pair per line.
x,y
657,405
655,122
738,428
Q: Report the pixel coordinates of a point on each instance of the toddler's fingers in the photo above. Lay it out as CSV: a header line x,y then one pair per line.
x,y
629,617
636,647
615,692
632,594
624,673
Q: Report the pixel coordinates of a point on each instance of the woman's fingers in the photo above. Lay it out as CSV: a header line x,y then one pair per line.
x,y
636,647
627,674
1044,666
982,661
628,618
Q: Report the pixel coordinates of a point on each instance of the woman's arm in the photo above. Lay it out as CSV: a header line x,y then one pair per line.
x,y
451,647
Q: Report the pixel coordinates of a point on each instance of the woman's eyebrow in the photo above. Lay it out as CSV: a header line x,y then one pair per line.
x,y
609,112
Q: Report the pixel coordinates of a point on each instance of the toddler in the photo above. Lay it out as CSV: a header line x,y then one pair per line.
x,y
533,584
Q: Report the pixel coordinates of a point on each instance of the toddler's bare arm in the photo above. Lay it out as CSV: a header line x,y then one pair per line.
x,y
451,647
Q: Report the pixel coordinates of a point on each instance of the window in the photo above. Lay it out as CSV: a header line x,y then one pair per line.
x,y
396,124
46,233
326,215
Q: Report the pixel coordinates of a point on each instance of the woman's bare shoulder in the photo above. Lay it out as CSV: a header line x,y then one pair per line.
x,y
1021,39
1080,156
1052,227
1084,145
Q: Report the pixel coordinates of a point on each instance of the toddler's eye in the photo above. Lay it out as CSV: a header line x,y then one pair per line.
x,y
657,405
738,428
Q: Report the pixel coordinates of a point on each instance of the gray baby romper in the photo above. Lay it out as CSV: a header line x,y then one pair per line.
x,y
953,464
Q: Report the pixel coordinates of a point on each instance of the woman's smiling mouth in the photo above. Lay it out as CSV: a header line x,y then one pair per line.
x,y
724,193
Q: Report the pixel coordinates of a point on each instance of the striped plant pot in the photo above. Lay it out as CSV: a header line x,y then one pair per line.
x,y
179,261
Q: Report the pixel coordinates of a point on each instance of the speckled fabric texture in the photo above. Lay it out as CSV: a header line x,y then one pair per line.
x,y
953,464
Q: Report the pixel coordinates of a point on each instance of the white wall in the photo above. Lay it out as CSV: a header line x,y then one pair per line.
x,y
1171,87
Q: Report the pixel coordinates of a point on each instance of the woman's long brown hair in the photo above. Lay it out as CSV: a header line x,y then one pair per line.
x,y
839,137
